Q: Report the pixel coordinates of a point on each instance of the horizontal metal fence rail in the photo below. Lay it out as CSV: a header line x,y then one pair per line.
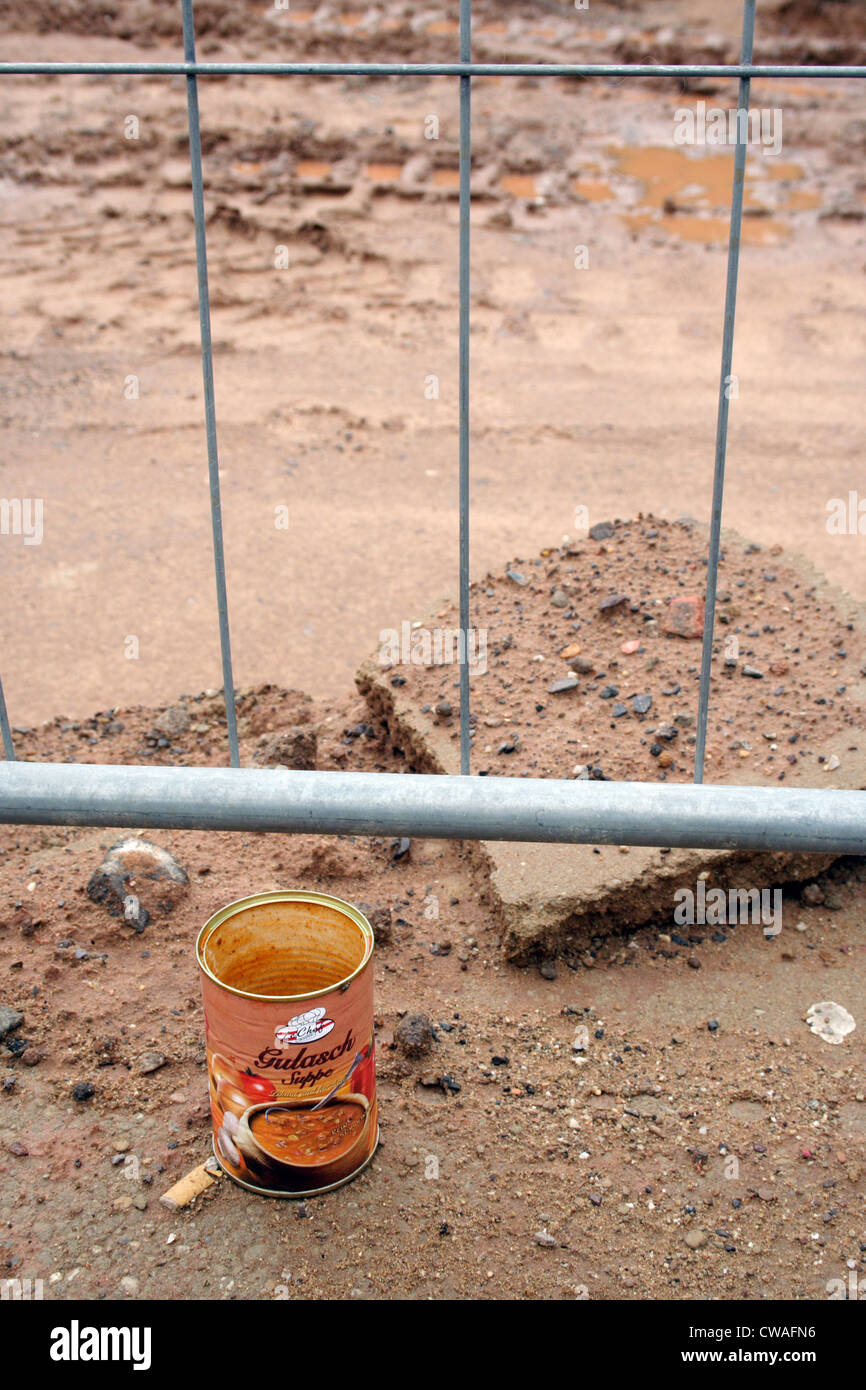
x,y
463,808
451,807
732,70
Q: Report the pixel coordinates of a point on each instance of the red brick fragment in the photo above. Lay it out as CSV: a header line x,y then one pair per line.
x,y
685,616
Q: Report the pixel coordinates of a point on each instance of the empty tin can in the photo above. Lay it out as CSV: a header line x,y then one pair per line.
x,y
287,987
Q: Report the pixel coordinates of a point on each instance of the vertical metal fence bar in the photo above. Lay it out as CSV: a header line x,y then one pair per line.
x,y
8,746
724,385
463,372
207,375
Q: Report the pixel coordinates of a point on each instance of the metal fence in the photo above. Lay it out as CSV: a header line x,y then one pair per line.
x,y
456,806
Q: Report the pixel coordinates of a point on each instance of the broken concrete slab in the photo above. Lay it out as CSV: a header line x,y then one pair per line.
x,y
787,619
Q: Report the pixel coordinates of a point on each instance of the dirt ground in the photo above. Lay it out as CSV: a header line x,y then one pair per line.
x,y
654,1119
593,390
698,1107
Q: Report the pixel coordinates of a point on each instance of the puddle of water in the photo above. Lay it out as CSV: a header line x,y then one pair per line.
x,y
383,173
446,178
774,169
667,172
802,200
520,185
312,169
710,231
593,190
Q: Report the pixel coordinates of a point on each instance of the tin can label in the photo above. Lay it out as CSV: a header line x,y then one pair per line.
x,y
287,987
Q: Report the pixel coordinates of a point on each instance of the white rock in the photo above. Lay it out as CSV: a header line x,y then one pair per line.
x,y
830,1021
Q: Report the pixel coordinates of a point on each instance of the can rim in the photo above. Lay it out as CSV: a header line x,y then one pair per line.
x,y
284,895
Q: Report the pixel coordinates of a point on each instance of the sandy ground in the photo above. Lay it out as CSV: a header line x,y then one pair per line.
x,y
663,1157
593,390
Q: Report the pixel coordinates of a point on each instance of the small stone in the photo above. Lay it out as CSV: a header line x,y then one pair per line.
x,y
570,651
10,1019
642,704
832,763
136,880
381,922
629,648
582,665
31,1056
171,723
150,1062
559,599
618,710
516,577
830,1021
753,672
129,1285
666,731
612,601
18,1149
581,772
561,687
547,968
545,1239
443,708
83,1090
696,1239
601,531
812,894
414,1035
295,748
400,848
685,616
608,692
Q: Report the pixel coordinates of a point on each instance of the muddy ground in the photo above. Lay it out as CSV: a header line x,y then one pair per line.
x,y
594,389
700,1142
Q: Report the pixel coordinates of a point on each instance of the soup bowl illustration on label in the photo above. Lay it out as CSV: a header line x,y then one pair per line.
x,y
288,1001
288,1142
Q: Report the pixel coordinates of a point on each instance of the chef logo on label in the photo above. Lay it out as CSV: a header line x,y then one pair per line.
x,y
304,1028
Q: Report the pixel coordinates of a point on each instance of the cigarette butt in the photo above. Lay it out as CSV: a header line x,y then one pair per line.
x,y
183,1192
